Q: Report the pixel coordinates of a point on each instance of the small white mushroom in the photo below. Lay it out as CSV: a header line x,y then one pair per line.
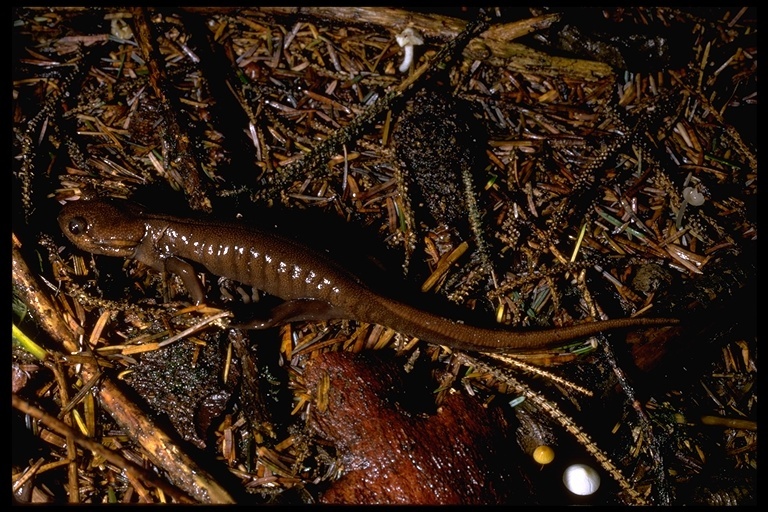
x,y
407,39
692,196
120,29
581,479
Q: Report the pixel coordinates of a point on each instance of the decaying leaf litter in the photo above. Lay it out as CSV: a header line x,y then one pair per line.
x,y
589,191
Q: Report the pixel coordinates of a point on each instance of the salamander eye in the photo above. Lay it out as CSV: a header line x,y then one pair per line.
x,y
77,226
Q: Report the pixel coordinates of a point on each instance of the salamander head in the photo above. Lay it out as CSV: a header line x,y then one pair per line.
x,y
105,227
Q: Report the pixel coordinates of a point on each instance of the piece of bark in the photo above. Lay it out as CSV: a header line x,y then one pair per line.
x,y
397,447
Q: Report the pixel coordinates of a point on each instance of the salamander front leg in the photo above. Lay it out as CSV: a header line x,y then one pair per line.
x,y
188,276
295,310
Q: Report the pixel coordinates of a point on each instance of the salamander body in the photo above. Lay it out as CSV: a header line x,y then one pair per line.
x,y
314,286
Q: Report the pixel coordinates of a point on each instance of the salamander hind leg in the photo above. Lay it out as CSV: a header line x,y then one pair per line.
x,y
188,276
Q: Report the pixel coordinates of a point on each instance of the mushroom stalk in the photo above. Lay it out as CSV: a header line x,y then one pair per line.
x,y
407,39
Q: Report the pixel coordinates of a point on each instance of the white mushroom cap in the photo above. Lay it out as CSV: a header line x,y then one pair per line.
x,y
693,196
409,36
581,479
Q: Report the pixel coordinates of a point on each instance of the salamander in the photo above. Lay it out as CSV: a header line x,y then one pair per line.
x,y
313,286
